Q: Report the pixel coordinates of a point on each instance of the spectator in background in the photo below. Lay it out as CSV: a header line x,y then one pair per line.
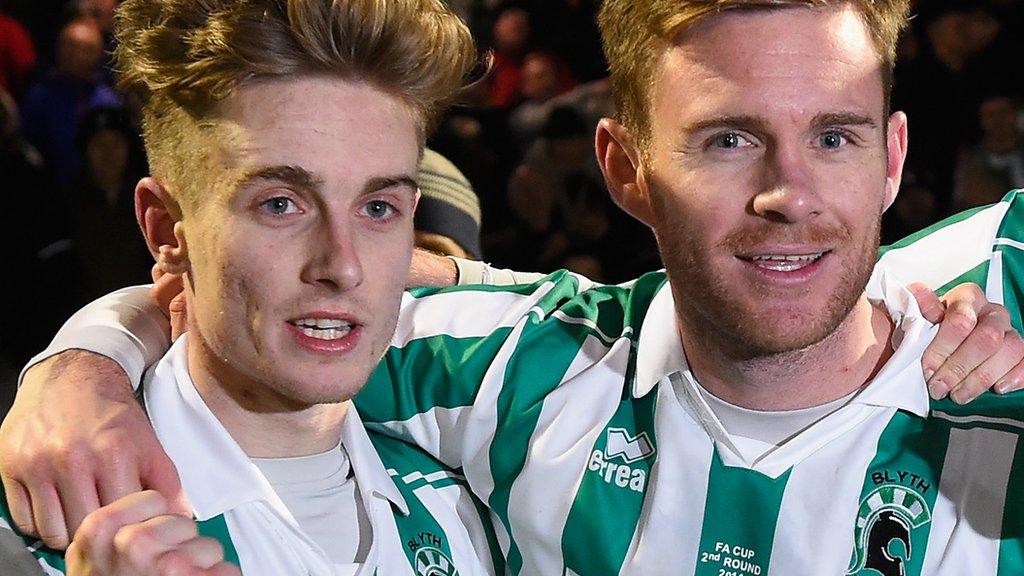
x,y
447,219
564,216
101,12
17,56
511,42
995,164
54,108
543,87
106,234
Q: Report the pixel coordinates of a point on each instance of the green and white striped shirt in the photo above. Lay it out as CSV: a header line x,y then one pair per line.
x,y
575,418
424,520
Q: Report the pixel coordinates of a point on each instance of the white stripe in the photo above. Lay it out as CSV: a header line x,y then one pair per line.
x,y
968,513
677,489
994,281
455,512
825,487
462,314
462,436
1010,242
608,340
943,255
978,419
570,421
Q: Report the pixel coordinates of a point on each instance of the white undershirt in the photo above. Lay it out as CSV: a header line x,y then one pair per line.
x,y
763,430
323,496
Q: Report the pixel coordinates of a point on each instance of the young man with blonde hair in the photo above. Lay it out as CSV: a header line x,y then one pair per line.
x,y
758,407
284,139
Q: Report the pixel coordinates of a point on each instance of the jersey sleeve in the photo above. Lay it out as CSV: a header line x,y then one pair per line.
x,y
441,381
984,245
124,326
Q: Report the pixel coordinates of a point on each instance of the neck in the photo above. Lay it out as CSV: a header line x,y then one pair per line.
x,y
263,422
833,368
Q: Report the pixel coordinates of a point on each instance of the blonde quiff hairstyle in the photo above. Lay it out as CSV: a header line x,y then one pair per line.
x,y
637,33
182,57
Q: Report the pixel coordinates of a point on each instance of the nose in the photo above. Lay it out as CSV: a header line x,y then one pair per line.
x,y
787,192
334,261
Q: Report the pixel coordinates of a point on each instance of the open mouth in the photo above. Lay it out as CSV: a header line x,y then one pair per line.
x,y
323,328
785,262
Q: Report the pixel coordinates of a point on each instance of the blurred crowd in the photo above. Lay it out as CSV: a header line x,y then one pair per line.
x,y
70,153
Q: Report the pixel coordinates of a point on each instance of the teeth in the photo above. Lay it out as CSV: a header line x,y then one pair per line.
x,y
786,263
322,323
789,258
326,334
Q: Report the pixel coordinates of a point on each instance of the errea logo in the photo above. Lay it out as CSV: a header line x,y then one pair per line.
x,y
622,446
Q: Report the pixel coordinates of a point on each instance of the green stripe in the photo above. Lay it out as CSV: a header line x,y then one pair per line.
x,y
1011,549
978,275
1009,406
217,528
1012,225
900,487
437,371
740,512
606,509
542,356
1012,279
419,532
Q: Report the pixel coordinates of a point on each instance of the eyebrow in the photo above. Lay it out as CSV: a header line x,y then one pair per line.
x,y
843,119
751,123
303,179
757,124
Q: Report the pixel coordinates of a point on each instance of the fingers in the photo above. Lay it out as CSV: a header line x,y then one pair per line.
x,y
48,516
931,307
135,536
20,507
94,548
965,340
161,475
1000,372
165,288
178,311
78,499
190,553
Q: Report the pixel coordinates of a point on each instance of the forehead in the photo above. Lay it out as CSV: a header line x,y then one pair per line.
x,y
758,61
338,129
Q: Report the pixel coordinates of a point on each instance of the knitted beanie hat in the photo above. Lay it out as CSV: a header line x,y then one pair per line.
x,y
448,206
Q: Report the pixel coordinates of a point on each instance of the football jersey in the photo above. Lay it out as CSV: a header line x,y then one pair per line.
x,y
575,418
424,521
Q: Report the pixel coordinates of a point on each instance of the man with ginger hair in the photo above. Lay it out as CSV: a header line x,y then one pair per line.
x,y
284,139
758,407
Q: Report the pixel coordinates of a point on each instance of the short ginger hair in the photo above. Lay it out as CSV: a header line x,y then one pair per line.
x,y
183,57
638,33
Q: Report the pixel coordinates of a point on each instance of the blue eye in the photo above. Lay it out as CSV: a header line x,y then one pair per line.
x,y
279,205
379,209
831,140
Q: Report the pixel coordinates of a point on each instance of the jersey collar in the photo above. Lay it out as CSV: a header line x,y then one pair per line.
x,y
659,350
215,473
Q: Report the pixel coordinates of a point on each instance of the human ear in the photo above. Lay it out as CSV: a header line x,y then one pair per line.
x,y
620,163
159,216
896,148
